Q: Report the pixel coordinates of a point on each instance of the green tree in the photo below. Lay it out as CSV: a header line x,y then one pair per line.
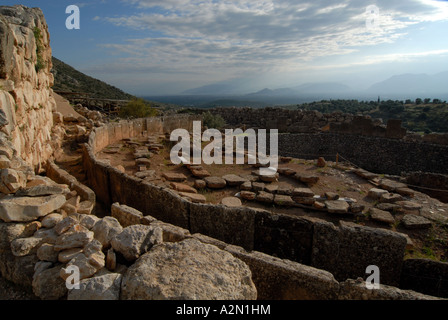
x,y
138,108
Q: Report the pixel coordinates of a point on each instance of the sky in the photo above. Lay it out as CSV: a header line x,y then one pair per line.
x,y
163,47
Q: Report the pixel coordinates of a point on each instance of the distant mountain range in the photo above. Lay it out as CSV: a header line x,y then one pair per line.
x,y
304,89
398,86
413,84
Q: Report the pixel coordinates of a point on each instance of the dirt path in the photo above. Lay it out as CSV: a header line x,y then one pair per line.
x,y
63,106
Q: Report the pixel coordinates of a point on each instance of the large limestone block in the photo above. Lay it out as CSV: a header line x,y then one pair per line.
x,y
28,209
136,240
188,270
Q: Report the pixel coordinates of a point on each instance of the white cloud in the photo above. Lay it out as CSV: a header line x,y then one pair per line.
x,y
236,37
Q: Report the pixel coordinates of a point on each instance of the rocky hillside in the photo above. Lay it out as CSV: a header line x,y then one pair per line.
x,y
67,78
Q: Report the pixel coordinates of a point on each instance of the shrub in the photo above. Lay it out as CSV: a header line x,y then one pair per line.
x,y
212,121
138,108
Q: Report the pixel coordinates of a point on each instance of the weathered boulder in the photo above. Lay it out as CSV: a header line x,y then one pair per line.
x,y
76,237
188,270
47,284
105,229
321,163
24,246
29,209
86,269
105,287
52,220
66,255
47,235
65,224
46,252
136,240
86,207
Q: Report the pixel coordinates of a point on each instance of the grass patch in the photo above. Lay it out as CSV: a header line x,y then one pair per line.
x,y
40,63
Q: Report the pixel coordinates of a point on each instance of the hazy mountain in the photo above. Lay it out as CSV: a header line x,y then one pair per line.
x,y
223,88
413,84
276,92
305,89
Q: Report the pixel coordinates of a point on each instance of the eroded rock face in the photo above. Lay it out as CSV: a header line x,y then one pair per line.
x,y
188,270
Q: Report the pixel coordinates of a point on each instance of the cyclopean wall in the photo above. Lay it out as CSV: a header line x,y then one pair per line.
x,y
26,97
345,250
364,141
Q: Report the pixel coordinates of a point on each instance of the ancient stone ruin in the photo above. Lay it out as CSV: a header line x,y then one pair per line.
x,y
81,193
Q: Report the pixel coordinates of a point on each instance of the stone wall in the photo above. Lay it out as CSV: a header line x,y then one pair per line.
x,y
26,101
375,154
364,141
275,278
294,238
312,121
433,184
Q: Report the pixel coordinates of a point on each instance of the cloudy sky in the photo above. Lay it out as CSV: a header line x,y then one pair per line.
x,y
152,47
